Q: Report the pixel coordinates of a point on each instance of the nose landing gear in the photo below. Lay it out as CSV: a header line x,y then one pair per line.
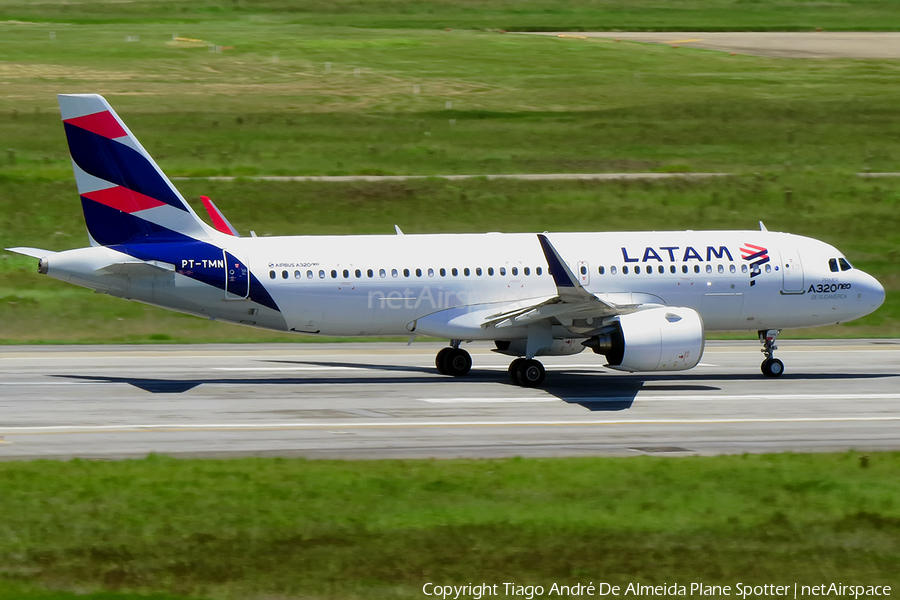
x,y
771,367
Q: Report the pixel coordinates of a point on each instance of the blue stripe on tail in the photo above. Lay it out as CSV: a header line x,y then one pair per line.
x,y
117,163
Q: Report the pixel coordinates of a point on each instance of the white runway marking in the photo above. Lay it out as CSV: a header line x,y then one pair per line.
x,y
670,398
75,429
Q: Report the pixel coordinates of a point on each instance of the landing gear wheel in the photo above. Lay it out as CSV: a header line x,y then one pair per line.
x,y
531,373
772,367
514,370
440,361
457,362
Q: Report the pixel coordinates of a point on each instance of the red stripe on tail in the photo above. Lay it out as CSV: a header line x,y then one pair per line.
x,y
101,123
123,199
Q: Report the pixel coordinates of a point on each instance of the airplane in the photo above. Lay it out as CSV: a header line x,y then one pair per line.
x,y
643,300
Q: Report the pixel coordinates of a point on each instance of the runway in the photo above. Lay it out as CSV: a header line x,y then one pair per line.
x,y
365,400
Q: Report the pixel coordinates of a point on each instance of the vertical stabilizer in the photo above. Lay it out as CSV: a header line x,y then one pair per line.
x,y
125,196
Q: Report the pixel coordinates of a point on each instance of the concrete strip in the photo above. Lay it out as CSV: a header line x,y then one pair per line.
x,y
782,44
376,400
491,177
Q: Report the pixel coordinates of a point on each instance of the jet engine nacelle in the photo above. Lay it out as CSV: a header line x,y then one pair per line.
x,y
656,339
559,348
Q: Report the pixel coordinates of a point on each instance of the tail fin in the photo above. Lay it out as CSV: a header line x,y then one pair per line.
x,y
125,196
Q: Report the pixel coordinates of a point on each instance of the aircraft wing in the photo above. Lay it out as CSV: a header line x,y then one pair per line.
x,y
572,301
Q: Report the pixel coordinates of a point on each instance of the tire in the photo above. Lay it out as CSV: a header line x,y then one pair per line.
x,y
458,362
514,370
772,367
440,361
531,373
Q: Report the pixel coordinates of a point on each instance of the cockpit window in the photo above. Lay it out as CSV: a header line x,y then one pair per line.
x,y
845,266
832,264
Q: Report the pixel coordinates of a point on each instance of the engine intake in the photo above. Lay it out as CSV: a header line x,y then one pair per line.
x,y
656,339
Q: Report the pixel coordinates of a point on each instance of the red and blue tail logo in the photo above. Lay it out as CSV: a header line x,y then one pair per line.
x,y
130,205
125,196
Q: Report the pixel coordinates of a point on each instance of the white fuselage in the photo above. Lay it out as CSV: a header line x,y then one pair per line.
x,y
380,285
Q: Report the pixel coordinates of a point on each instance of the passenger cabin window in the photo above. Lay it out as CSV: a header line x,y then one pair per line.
x,y
284,274
333,274
454,271
502,270
539,270
768,268
358,273
832,264
625,270
583,270
309,274
431,272
684,268
672,269
271,274
527,271
515,270
346,274
382,272
662,269
394,272
491,271
370,273
696,268
709,268
612,270
418,272
478,271
406,272
600,270
743,268
321,274
721,269
443,272
732,269
466,271
297,274
845,266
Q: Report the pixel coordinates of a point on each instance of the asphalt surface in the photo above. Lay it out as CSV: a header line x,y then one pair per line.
x,y
786,44
366,400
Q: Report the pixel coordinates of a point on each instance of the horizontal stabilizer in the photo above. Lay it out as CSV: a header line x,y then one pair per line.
x,y
138,267
32,252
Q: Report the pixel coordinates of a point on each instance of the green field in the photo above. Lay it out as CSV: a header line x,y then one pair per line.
x,y
539,15
263,528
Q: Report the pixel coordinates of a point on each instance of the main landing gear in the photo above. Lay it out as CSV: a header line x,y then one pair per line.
x,y
771,367
527,372
453,360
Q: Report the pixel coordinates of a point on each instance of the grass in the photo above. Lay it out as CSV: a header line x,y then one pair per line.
x,y
482,14
263,528
519,103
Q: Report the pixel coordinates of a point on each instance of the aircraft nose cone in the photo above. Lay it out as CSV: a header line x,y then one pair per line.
x,y
872,293
877,293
